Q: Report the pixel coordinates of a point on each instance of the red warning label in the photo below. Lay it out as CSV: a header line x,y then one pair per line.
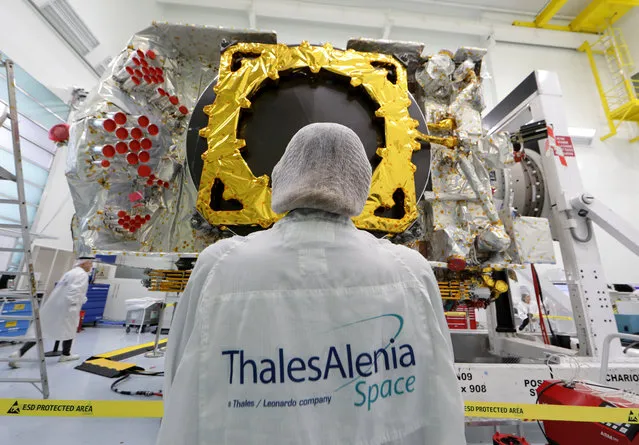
x,y
565,145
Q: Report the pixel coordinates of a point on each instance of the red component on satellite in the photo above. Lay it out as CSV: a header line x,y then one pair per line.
x,y
122,133
121,147
109,125
134,145
456,264
120,118
144,170
132,158
136,133
135,196
143,121
108,151
144,156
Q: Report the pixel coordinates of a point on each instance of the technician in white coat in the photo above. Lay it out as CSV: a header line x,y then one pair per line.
x,y
527,310
60,312
312,332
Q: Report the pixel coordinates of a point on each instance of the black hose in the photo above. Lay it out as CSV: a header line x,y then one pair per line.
x,y
630,346
114,385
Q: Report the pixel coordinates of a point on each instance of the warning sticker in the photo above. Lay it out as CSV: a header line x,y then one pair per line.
x,y
565,144
553,147
15,408
497,410
550,412
79,408
50,408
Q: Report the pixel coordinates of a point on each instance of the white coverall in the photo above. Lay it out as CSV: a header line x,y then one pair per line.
x,y
60,312
312,332
523,309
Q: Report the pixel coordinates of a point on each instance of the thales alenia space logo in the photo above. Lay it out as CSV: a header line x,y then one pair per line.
x,y
354,367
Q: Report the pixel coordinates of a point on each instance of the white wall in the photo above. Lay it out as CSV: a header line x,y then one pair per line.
x,y
114,22
32,44
607,168
56,208
629,25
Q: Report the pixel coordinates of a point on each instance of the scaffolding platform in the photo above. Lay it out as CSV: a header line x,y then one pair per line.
x,y
619,99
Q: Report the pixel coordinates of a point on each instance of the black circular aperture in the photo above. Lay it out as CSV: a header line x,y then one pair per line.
x,y
280,108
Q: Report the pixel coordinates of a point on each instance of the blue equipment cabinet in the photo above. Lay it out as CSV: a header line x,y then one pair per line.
x,y
628,323
96,300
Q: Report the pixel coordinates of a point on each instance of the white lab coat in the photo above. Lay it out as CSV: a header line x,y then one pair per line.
x,y
312,332
60,312
523,309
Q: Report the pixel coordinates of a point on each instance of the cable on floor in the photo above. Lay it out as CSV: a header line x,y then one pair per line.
x,y
114,385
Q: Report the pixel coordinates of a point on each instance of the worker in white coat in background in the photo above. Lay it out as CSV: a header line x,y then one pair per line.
x,y
527,311
60,312
312,332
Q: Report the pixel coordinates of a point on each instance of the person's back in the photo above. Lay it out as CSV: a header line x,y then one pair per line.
x,y
312,332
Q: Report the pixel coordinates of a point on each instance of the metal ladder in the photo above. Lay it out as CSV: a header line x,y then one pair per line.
x,y
620,67
7,295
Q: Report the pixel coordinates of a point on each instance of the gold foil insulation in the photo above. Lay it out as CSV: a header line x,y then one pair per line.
x,y
462,286
168,280
224,162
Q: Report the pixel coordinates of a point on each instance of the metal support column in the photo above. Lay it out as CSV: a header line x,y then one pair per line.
x,y
592,309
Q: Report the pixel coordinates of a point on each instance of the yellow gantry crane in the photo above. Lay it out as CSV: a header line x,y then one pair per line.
x,y
618,89
598,15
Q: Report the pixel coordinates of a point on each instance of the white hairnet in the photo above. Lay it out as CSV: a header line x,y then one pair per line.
x,y
524,291
81,261
324,167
